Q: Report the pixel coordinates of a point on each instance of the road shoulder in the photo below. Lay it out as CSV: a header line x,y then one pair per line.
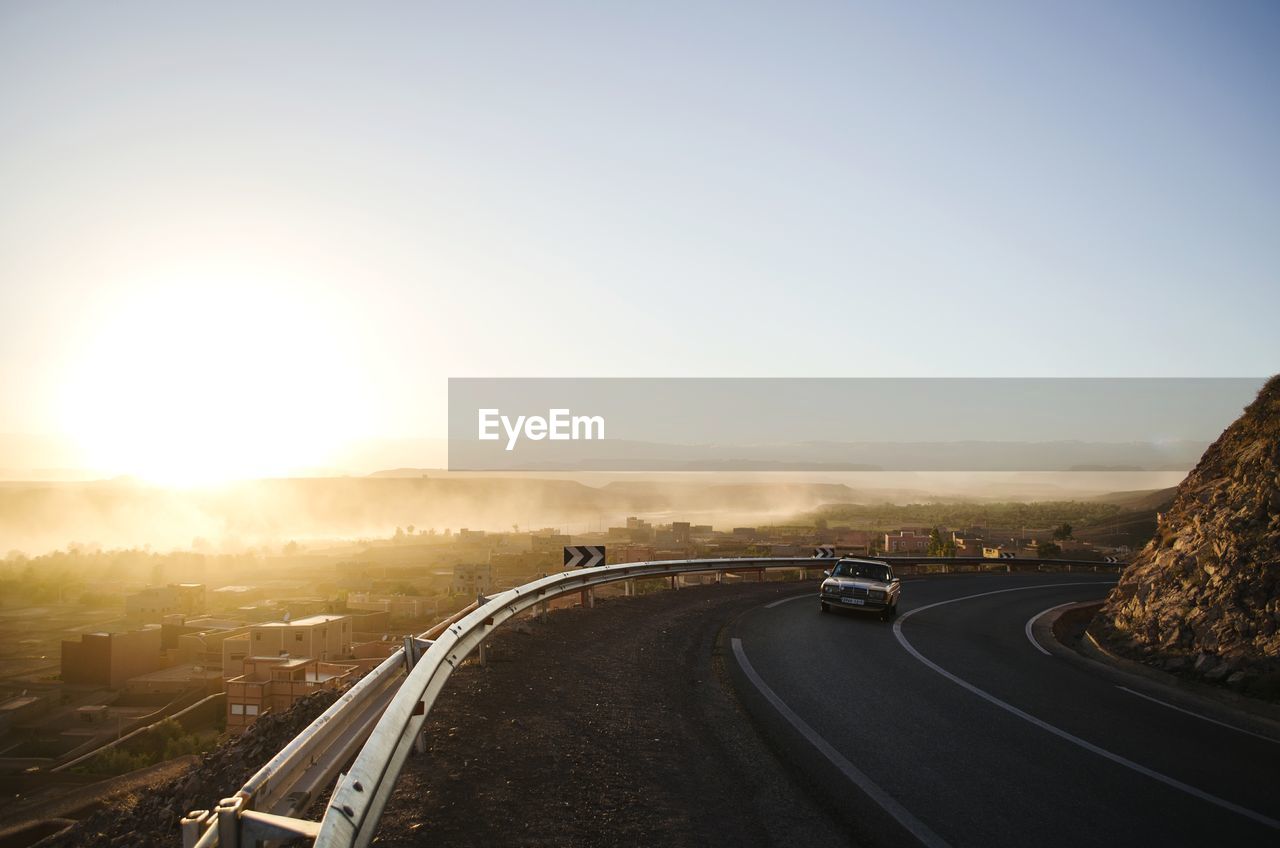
x,y
1257,717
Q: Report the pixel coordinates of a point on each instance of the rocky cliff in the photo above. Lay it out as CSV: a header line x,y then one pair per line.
x,y
1203,597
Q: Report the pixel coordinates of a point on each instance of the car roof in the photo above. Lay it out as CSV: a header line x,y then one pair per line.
x,y
863,561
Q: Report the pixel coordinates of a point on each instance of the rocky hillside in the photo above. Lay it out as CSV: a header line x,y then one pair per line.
x,y
1203,597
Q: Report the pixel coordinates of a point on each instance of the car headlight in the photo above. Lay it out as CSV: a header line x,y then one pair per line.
x,y
876,594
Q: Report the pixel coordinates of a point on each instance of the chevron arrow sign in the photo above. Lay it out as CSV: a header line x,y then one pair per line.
x,y
583,556
824,551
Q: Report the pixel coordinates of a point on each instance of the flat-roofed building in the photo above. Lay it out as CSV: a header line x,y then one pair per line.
x,y
906,542
472,580
154,603
967,545
322,637
275,683
109,659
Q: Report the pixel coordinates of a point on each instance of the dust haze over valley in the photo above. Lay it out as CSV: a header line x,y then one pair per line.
x,y
267,514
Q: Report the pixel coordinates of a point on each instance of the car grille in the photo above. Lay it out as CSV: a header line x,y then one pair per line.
x,y
854,592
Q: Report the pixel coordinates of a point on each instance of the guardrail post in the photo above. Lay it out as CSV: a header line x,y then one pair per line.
x,y
193,825
412,653
228,822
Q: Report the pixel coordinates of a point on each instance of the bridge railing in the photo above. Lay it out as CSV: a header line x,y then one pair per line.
x,y
268,806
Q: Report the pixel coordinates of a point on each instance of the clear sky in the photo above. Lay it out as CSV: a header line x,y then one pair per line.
x,y
279,226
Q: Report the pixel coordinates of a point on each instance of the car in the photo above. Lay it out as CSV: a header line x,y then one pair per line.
x,y
864,585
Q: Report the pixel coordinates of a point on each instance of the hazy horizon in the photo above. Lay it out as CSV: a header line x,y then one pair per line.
x,y
232,517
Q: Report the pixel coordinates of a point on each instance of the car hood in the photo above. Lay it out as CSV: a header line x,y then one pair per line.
x,y
857,582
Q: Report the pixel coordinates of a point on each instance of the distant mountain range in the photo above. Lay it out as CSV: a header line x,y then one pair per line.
x,y
622,455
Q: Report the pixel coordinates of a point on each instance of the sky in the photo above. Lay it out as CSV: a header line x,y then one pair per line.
x,y
259,231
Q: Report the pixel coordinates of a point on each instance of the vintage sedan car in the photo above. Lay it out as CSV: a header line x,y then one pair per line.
x,y
861,584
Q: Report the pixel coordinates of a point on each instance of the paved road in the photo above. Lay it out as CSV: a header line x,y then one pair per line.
x,y
953,725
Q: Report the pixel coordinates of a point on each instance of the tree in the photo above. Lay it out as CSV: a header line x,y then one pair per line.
x,y
1048,550
939,545
1062,532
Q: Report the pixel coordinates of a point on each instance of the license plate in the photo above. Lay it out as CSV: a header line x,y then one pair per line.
x,y
857,602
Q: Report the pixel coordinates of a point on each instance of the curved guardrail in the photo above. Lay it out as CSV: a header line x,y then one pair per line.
x,y
266,807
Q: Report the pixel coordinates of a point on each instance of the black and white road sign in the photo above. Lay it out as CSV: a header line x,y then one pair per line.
x,y
1113,559
824,552
583,556
1007,555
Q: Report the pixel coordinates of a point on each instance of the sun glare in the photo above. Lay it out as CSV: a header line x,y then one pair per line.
x,y
199,384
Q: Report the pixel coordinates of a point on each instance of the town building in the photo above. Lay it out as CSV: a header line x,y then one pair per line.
x,y
153,604
109,659
322,637
275,683
855,541
471,580
396,606
906,542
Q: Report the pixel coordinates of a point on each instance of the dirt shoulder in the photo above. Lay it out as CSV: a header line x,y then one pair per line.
x,y
605,726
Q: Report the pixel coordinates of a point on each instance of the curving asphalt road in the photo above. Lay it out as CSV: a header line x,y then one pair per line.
x,y
953,725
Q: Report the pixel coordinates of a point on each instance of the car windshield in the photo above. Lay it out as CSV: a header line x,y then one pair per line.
x,y
867,570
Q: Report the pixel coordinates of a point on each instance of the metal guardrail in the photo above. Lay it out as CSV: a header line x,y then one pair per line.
x,y
266,808
285,786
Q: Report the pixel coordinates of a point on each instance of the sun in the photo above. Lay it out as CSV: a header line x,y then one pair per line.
x,y
209,381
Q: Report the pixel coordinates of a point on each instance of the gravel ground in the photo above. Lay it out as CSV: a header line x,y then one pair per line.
x,y
606,726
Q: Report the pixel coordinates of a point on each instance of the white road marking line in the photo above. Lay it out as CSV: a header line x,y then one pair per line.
x,y
1056,731
773,604
1199,716
917,828
1032,620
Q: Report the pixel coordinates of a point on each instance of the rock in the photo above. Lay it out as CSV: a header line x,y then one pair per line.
x,y
1218,672
1208,586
